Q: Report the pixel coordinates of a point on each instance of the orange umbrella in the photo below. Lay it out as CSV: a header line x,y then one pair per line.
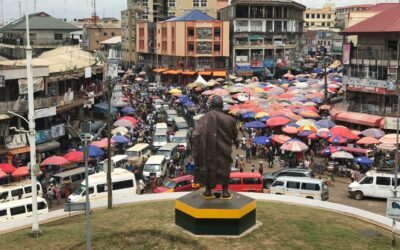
x,y
367,141
309,114
280,138
290,130
308,127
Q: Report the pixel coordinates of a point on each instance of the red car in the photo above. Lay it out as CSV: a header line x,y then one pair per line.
x,y
179,184
244,182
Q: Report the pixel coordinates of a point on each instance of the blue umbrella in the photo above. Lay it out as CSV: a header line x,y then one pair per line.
x,y
302,79
248,115
94,152
325,123
318,70
264,119
262,140
120,139
293,125
316,100
128,110
255,124
304,133
364,160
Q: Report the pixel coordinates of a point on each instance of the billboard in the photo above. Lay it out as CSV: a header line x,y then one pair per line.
x,y
346,53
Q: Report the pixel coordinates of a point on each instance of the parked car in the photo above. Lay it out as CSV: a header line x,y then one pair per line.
x,y
269,178
179,184
244,182
373,184
309,188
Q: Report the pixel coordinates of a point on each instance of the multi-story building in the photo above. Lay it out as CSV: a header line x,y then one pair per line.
x,y
342,13
46,33
193,42
320,18
372,71
97,30
210,7
264,30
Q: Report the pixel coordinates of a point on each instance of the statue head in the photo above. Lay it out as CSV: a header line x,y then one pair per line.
x,y
217,103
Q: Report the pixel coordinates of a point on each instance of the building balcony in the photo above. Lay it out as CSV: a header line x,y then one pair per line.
x,y
38,43
373,54
374,109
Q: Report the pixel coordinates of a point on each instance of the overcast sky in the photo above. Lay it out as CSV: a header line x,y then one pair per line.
x,y
112,8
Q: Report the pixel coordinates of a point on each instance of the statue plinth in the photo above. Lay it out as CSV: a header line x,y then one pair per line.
x,y
202,216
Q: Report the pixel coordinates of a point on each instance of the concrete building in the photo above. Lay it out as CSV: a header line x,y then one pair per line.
x,y
372,72
191,43
342,14
96,30
264,30
210,7
318,19
46,33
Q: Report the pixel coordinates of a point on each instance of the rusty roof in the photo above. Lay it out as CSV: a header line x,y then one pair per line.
x,y
387,21
382,7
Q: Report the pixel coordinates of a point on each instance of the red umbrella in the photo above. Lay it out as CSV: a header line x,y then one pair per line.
x,y
3,175
294,146
75,156
367,141
7,168
313,136
21,171
277,121
290,130
324,134
132,120
352,136
286,96
337,139
54,160
339,130
280,138
103,143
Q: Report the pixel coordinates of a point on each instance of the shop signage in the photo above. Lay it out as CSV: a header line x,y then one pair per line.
x,y
88,72
393,208
38,85
46,112
16,141
371,85
346,53
390,123
2,81
269,63
50,134
256,64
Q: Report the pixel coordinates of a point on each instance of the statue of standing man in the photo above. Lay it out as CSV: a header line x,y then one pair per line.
x,y
212,142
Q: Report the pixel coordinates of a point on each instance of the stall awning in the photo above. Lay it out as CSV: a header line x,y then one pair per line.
x,y
205,73
219,73
189,73
17,151
159,70
47,146
172,72
359,118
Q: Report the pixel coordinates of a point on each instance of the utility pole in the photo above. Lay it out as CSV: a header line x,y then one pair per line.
x,y
32,132
325,85
110,86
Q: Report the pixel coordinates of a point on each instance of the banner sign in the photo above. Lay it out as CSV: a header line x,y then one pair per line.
x,y
346,53
390,123
393,208
38,85
16,141
372,83
46,112
50,134
88,72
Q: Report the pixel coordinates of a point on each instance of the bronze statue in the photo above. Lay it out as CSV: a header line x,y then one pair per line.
x,y
212,142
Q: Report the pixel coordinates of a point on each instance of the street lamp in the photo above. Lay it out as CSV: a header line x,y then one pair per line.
x,y
326,61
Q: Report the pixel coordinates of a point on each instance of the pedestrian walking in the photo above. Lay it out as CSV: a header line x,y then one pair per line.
x,y
253,168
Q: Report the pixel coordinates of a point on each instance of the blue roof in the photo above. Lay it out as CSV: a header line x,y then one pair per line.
x,y
194,15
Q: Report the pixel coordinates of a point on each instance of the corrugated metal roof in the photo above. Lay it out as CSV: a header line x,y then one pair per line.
x,y
39,21
385,22
194,15
355,6
382,7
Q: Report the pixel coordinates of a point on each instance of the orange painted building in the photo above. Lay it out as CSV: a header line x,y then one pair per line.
x,y
194,42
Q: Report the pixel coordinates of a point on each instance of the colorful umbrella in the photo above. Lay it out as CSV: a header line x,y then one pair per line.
x,y
308,127
103,143
294,146
175,91
329,150
261,114
277,121
325,123
290,130
7,168
337,139
261,140
132,120
248,115
74,156
94,151
364,160
54,160
128,110
312,136
367,141
389,139
339,130
309,114
254,124
342,155
373,132
280,138
325,107
120,130
305,122
324,134
123,123
21,171
264,119
351,136
2,174
120,139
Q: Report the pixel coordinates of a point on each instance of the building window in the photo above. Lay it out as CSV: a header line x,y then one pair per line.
x,y
171,3
323,24
204,48
105,33
173,46
217,47
112,33
217,32
171,14
58,36
204,33
196,3
190,46
203,3
313,16
329,16
323,16
164,46
190,32
318,16
164,32
307,15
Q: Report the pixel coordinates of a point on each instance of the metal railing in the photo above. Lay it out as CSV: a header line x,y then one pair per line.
x,y
374,109
373,54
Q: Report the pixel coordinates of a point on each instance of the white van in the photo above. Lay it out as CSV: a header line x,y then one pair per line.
x,y
161,128
373,184
171,114
158,104
123,185
138,154
18,190
159,140
73,177
180,124
181,137
21,209
155,164
118,161
302,187
170,151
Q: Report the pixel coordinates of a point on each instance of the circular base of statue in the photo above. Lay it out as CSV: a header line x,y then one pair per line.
x,y
223,217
